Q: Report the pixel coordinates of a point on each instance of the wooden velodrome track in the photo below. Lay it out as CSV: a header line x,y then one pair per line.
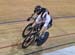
x,y
13,14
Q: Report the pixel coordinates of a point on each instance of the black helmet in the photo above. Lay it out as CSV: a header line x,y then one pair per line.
x,y
37,9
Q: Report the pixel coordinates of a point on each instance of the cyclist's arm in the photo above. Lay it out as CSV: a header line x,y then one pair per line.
x,y
31,17
44,28
36,21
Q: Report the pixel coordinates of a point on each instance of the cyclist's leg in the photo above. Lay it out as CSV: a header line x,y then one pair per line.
x,y
45,35
41,40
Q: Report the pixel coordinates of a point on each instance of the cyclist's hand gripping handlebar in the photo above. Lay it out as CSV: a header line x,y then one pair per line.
x,y
30,17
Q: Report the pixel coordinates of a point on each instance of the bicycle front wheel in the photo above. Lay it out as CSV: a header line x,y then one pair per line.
x,y
27,30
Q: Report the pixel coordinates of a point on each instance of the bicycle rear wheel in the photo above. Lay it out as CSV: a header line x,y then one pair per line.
x,y
28,41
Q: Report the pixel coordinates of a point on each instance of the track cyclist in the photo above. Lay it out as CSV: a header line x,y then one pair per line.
x,y
42,16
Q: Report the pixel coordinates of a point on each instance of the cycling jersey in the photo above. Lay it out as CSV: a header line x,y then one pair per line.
x,y
45,17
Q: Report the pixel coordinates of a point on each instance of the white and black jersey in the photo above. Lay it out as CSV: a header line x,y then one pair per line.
x,y
44,17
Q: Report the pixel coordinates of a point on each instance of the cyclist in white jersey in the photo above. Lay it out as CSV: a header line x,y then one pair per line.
x,y
43,17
